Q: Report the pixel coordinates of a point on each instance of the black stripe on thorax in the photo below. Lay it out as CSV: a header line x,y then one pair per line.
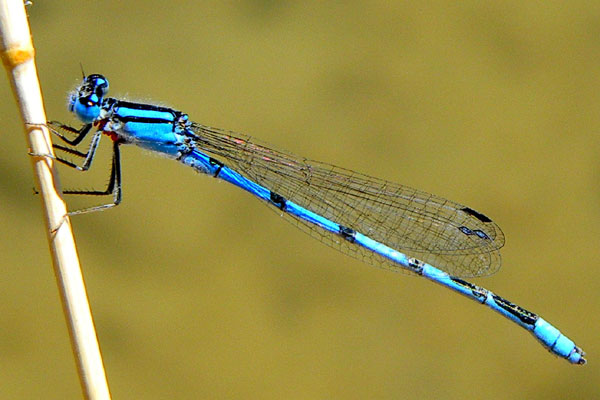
x,y
142,106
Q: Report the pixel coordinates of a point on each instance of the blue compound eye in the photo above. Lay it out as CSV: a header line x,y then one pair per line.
x,y
86,101
87,109
97,83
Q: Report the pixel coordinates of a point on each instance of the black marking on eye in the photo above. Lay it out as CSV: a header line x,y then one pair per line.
x,y
278,200
347,233
527,317
217,163
476,214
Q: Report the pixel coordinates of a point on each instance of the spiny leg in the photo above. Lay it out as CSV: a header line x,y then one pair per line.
x,y
81,133
88,157
114,186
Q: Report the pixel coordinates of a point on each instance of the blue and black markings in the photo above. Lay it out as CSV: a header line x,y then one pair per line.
x,y
348,233
416,265
476,232
525,316
218,164
478,292
278,200
168,131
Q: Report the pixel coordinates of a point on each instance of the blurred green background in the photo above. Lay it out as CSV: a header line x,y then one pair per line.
x,y
199,291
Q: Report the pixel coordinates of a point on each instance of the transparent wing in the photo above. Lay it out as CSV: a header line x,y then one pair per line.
x,y
443,233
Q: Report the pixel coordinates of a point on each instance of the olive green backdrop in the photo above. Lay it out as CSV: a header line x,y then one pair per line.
x,y
200,291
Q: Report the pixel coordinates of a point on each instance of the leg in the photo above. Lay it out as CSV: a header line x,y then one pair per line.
x,y
88,157
56,127
114,186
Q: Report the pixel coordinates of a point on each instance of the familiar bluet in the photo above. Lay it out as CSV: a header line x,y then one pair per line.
x,y
385,224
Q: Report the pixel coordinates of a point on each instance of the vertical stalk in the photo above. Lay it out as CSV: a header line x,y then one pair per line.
x,y
18,58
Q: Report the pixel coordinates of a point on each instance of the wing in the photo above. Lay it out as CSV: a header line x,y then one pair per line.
x,y
446,234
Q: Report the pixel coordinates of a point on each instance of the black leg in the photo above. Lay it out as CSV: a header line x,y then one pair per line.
x,y
56,127
114,186
88,157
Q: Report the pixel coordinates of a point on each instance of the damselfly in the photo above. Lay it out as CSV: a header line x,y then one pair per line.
x,y
386,224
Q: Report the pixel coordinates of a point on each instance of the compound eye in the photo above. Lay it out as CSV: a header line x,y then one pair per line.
x,y
98,84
